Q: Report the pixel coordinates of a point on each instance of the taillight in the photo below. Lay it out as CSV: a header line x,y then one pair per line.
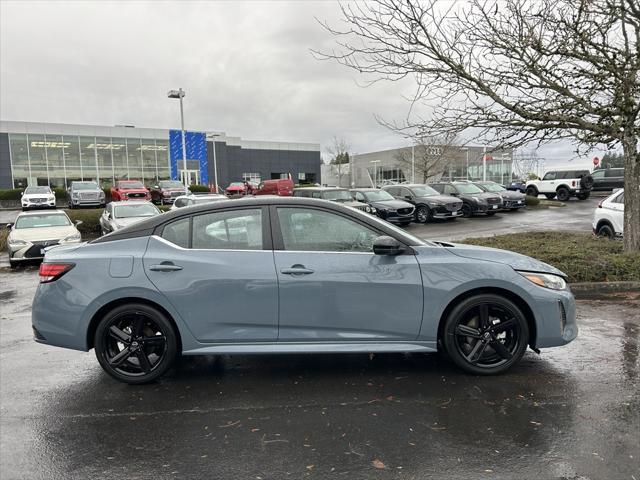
x,y
573,183
53,271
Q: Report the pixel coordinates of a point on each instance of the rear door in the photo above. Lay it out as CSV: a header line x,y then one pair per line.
x,y
333,288
217,271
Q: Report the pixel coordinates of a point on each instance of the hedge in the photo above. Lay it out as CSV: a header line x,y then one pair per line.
x,y
198,188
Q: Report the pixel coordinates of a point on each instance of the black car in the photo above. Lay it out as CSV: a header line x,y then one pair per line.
x,y
386,207
429,204
474,199
608,178
517,187
511,200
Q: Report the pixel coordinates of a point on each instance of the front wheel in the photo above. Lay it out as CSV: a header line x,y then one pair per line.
x,y
466,210
485,334
532,191
423,215
606,231
135,343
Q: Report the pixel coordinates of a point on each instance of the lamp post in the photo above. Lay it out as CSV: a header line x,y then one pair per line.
x,y
215,162
180,95
375,172
413,164
466,149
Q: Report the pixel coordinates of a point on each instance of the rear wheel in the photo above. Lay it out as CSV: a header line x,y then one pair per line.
x,y
606,231
563,194
486,334
135,343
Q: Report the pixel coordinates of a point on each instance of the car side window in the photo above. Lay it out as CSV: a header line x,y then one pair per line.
x,y
316,194
177,232
393,191
598,174
306,229
619,198
438,187
549,176
450,190
235,230
405,192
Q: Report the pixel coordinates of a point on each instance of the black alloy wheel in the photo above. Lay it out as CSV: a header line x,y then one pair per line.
x,y
532,191
466,210
606,231
563,194
486,334
135,343
423,214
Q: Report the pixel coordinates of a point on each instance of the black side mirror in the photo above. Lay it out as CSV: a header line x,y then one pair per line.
x,y
8,226
386,245
407,197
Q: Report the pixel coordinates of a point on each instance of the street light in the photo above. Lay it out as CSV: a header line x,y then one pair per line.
x,y
180,95
215,162
375,172
466,149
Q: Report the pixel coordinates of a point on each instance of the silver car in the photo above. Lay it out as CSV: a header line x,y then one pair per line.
x,y
192,199
33,232
86,194
293,275
118,215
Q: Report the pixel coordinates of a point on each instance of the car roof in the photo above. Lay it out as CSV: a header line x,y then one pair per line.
x,y
321,188
148,226
370,189
40,212
130,202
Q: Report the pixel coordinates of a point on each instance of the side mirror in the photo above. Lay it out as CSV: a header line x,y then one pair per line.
x,y
78,222
8,226
407,197
386,245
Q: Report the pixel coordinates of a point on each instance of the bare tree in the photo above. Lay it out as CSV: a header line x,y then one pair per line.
x,y
511,71
339,155
430,156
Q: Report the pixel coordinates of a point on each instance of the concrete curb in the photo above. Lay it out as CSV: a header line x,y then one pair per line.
x,y
592,290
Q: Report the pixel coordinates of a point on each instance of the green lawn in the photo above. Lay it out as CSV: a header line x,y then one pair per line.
x,y
582,256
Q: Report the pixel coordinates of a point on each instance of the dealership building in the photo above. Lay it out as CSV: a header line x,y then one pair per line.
x,y
33,153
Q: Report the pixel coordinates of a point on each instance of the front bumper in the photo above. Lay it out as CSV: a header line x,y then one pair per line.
x,y
556,319
78,202
512,204
27,204
394,216
33,250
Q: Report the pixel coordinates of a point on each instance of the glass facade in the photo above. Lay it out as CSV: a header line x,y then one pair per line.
x,y
56,160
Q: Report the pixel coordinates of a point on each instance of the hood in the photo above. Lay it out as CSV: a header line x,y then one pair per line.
x,y
446,199
45,233
514,260
125,222
173,189
235,188
390,204
28,196
134,190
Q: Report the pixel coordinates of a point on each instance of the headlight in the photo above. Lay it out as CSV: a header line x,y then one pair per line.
x,y
436,204
75,194
101,194
72,238
373,210
547,280
16,242
367,209
52,198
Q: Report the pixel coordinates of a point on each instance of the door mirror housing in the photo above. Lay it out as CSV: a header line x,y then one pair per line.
x,y
386,245
78,222
407,197
8,226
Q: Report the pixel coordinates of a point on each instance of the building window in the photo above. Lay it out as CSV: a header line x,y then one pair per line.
x,y
71,151
119,154
251,177
305,178
88,158
279,175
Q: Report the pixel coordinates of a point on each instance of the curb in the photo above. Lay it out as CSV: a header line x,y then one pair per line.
x,y
593,290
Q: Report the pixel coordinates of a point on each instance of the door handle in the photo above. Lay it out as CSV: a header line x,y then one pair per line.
x,y
296,270
165,267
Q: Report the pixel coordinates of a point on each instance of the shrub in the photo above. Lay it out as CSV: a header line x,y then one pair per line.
x,y
531,201
11,194
61,194
90,220
4,233
199,188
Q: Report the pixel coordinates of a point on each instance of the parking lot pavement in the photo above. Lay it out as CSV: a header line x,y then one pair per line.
x,y
571,412
576,216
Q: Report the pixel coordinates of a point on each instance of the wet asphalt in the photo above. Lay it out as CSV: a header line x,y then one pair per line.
x,y
570,413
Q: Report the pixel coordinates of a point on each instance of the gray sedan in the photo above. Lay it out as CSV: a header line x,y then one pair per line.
x,y
511,200
293,275
118,215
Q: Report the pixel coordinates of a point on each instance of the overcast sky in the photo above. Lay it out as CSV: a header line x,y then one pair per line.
x,y
246,67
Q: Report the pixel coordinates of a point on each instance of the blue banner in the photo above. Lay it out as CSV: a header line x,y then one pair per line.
x,y
196,143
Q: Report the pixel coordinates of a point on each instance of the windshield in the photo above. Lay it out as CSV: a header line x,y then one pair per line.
x,y
236,184
32,190
84,186
197,201
424,191
135,210
170,184
130,185
337,196
493,187
43,220
468,188
377,196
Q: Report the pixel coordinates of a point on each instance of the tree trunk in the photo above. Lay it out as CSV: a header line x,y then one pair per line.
x,y
631,192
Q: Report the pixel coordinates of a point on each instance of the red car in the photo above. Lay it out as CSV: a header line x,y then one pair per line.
x,y
236,188
129,190
282,187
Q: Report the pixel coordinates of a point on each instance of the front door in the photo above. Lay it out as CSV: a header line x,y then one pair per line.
x,y
217,271
333,288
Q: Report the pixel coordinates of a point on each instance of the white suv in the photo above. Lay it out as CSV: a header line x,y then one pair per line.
x,y
608,219
562,184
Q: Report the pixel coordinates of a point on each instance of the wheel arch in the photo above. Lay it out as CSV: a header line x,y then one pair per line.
x,y
604,221
563,185
102,311
518,300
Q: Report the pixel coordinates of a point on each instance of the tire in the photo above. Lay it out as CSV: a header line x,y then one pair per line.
x,y
550,196
484,347
466,210
71,207
130,333
605,230
532,191
583,196
586,182
563,194
423,215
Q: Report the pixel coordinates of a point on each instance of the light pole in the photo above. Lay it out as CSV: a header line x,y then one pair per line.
x,y
466,149
375,172
180,95
215,162
413,164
